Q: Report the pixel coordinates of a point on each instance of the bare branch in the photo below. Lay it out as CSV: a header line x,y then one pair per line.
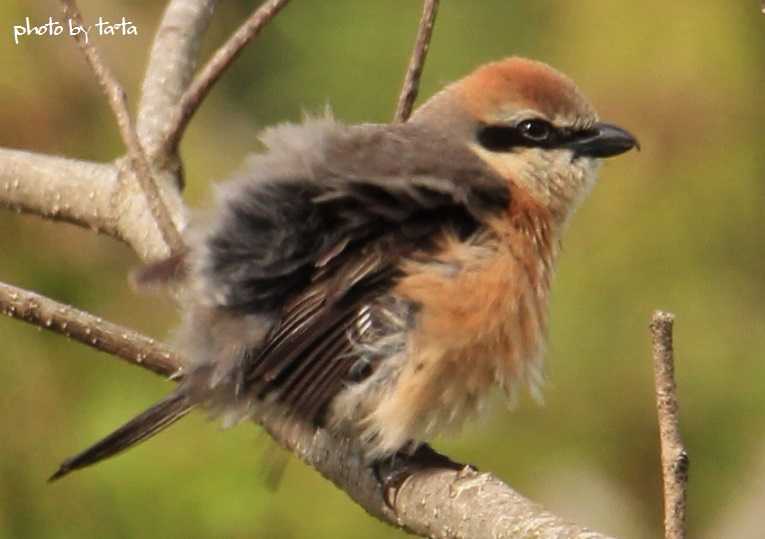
x,y
417,61
172,62
213,70
117,100
84,193
674,458
58,188
436,502
88,329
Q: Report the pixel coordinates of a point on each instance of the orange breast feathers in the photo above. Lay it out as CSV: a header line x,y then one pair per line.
x,y
482,322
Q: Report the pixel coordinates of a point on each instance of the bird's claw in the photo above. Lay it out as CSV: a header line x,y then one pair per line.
x,y
394,471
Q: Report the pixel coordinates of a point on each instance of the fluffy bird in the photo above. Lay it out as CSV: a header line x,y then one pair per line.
x,y
380,280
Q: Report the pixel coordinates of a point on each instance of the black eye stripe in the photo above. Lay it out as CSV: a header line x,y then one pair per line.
x,y
506,137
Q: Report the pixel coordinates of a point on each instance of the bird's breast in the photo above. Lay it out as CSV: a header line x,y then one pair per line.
x,y
481,322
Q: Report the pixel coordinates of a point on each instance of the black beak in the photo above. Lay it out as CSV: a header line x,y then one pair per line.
x,y
603,140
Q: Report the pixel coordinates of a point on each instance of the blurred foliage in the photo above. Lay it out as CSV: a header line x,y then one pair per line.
x,y
678,226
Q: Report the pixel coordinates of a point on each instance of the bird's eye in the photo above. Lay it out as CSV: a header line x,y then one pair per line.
x,y
529,133
535,130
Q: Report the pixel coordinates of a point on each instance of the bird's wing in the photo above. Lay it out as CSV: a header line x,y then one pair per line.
x,y
349,261
308,354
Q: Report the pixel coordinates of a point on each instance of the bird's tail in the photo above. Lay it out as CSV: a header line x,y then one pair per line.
x,y
140,428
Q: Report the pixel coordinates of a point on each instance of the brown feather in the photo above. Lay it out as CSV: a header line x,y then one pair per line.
x,y
481,320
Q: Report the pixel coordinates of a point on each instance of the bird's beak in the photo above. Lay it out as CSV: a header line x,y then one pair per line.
x,y
603,140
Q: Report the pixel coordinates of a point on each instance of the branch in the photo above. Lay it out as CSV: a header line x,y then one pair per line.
x,y
59,189
435,502
438,502
417,61
213,70
82,193
140,164
171,66
674,458
88,329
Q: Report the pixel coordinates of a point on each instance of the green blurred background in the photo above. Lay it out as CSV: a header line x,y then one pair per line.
x,y
678,226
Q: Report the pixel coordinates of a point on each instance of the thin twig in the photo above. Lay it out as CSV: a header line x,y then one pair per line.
x,y
674,458
118,102
213,70
88,329
417,61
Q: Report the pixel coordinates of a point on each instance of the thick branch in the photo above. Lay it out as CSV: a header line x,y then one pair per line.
x,y
447,504
674,458
417,61
213,70
84,193
88,329
140,164
437,502
172,62
433,502
58,188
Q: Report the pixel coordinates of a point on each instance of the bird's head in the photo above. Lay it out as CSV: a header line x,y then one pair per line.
x,y
532,126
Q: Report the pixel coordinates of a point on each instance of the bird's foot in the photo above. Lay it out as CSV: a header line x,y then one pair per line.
x,y
393,472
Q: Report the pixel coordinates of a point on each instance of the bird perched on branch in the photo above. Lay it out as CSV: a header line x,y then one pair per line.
x,y
380,280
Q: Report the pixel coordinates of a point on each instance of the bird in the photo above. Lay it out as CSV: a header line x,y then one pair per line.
x,y
381,281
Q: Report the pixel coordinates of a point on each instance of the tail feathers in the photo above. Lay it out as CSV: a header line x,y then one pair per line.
x,y
140,428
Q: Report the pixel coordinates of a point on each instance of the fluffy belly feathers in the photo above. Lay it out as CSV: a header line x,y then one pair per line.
x,y
480,323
